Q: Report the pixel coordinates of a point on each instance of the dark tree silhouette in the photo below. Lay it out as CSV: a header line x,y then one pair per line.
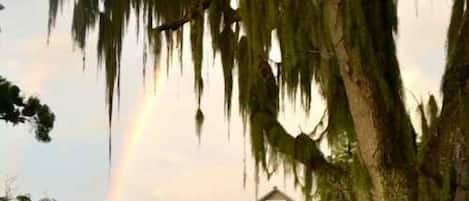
x,y
16,109
9,195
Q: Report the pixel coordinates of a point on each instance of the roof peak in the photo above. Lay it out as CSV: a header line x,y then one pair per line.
x,y
274,193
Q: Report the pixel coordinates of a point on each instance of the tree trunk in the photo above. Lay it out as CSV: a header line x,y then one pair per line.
x,y
389,182
446,158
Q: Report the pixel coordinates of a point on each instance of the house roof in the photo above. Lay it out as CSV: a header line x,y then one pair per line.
x,y
276,194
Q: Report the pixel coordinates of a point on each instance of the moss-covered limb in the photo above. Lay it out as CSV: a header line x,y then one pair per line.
x,y
17,109
341,177
273,145
301,148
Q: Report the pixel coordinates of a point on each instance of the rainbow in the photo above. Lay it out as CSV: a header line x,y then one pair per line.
x,y
132,139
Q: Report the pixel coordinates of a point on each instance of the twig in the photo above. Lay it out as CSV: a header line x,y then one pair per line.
x,y
193,13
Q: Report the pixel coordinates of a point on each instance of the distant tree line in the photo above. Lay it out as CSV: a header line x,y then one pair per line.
x,y
8,193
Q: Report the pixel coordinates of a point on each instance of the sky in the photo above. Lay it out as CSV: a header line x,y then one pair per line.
x,y
157,156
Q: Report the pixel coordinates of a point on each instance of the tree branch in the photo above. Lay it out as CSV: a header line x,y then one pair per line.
x,y
170,26
301,148
192,14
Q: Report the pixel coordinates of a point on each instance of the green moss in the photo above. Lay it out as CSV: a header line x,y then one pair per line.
x,y
54,7
307,54
85,16
227,45
199,121
197,34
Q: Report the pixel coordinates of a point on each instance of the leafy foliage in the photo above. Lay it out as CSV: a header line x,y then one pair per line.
x,y
24,198
16,109
8,193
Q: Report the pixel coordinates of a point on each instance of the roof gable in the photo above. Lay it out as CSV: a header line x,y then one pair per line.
x,y
276,194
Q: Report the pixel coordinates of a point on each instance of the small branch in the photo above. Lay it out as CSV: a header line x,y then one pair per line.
x,y
320,123
14,120
321,136
193,13
171,26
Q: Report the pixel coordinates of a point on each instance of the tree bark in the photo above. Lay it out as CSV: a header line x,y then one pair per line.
x,y
446,158
389,182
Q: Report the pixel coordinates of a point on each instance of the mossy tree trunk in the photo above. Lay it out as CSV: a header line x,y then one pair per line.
x,y
395,172
393,176
445,160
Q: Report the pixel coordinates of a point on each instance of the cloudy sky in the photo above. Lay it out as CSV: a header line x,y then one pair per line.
x,y
157,155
